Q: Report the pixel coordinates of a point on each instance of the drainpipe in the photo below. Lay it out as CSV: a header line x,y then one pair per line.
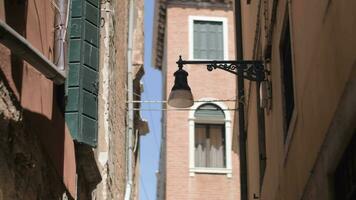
x,y
130,111
241,105
60,33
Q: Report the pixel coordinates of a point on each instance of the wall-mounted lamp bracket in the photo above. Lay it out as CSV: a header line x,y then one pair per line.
x,y
181,95
253,70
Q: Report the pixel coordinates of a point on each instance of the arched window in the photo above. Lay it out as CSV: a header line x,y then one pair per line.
x,y
210,139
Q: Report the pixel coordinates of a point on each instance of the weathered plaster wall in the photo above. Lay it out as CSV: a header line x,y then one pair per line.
x,y
112,100
111,152
26,172
40,135
323,60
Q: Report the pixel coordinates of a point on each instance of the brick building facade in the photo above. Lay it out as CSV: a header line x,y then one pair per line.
x,y
181,175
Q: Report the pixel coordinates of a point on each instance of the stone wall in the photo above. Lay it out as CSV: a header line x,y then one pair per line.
x,y
26,173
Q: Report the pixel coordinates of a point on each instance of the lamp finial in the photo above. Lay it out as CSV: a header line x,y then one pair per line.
x,y
180,62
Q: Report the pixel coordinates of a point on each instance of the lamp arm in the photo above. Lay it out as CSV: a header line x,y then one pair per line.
x,y
252,70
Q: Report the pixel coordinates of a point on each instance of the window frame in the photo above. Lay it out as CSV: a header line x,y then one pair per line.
x,y
207,130
228,139
287,123
287,135
209,19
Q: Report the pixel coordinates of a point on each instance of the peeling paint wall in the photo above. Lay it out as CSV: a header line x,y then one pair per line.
x,y
111,152
25,170
36,151
323,40
37,157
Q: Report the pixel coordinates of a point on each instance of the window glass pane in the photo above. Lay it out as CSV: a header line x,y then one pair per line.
x,y
208,40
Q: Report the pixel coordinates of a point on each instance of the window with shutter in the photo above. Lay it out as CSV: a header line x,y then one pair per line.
x,y
81,111
208,40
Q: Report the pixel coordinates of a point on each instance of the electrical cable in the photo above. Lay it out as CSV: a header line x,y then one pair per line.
x,y
153,120
180,109
144,188
197,101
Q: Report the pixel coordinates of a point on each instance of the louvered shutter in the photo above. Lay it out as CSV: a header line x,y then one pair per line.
x,y
83,62
208,40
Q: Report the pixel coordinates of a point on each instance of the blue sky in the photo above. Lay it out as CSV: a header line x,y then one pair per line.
x,y
150,144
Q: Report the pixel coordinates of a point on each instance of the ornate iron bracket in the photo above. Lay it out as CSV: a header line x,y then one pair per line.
x,y
252,70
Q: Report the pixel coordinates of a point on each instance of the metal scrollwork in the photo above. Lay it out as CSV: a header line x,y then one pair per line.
x,y
254,72
250,71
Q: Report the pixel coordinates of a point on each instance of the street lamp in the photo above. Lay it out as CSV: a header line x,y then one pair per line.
x,y
181,95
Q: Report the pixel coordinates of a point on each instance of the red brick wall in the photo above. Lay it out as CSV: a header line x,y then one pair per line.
x,y
217,84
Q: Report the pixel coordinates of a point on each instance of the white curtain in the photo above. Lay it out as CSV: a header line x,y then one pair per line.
x,y
200,146
216,157
209,146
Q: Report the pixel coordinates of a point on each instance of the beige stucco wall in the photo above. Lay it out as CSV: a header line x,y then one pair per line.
x,y
216,84
323,57
111,153
111,136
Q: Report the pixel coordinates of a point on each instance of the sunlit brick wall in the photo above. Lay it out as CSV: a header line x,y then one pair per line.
x,y
217,84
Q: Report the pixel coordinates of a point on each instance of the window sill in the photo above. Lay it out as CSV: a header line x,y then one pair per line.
x,y
202,170
207,59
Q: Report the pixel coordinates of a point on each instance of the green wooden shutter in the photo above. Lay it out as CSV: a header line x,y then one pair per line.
x,y
83,62
208,40
196,40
